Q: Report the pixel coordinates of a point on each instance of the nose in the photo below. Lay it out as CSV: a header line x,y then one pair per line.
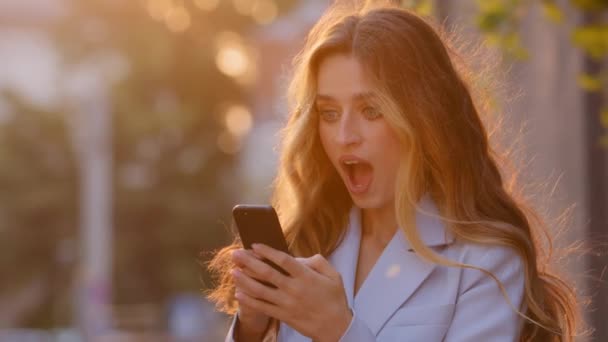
x,y
348,130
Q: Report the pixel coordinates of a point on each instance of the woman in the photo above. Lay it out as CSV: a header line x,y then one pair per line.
x,y
392,201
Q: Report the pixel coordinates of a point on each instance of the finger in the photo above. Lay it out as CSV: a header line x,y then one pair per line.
x,y
242,256
252,253
255,289
289,287
238,253
318,263
260,270
246,271
282,259
258,305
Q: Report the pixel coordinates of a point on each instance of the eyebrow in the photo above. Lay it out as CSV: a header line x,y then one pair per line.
x,y
356,97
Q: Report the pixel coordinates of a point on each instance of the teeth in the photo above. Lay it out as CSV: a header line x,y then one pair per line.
x,y
351,162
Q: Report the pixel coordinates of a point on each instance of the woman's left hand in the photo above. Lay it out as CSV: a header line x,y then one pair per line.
x,y
311,300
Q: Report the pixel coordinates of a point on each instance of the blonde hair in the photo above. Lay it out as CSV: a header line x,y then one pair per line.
x,y
425,99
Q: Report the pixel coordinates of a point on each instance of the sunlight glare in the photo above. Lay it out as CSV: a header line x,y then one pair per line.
x,y
232,61
227,143
232,58
238,120
264,11
178,19
207,5
243,7
158,9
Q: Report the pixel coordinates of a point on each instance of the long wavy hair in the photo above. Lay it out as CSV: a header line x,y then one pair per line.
x,y
426,99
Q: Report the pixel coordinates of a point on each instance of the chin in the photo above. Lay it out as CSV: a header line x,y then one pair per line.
x,y
366,202
373,201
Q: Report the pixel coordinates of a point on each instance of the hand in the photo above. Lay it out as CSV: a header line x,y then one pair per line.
x,y
252,323
311,300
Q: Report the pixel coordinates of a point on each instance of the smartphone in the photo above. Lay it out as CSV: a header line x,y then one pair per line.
x,y
260,224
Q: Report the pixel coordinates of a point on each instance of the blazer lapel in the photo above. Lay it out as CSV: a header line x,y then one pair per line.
x,y
393,279
345,256
395,276
399,271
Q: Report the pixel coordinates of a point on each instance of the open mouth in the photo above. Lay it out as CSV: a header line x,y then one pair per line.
x,y
359,174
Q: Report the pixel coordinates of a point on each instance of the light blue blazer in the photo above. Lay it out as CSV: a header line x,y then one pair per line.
x,y
405,298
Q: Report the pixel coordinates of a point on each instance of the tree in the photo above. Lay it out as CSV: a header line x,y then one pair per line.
x,y
173,168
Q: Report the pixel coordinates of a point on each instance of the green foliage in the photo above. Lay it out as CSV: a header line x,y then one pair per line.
x,y
590,82
38,203
553,12
593,39
604,117
173,187
590,5
422,7
495,15
499,21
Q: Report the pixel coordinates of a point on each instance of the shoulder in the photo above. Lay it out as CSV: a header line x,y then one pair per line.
x,y
482,255
478,260
488,290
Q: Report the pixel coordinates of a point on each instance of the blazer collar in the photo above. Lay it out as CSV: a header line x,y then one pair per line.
x,y
431,228
397,273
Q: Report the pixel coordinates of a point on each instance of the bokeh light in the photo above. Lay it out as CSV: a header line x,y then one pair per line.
x,y
238,120
178,19
158,9
207,5
232,57
264,11
228,143
232,61
243,7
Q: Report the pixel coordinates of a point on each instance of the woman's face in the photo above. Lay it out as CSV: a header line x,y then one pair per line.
x,y
357,139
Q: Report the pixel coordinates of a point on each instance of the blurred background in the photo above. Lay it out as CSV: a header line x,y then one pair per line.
x,y
128,130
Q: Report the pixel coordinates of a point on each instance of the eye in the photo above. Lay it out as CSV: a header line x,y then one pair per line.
x,y
371,113
328,115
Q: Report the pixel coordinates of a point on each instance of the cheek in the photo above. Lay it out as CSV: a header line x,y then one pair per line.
x,y
391,151
325,139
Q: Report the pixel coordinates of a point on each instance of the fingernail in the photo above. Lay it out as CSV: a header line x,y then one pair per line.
x,y
238,295
235,272
255,246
